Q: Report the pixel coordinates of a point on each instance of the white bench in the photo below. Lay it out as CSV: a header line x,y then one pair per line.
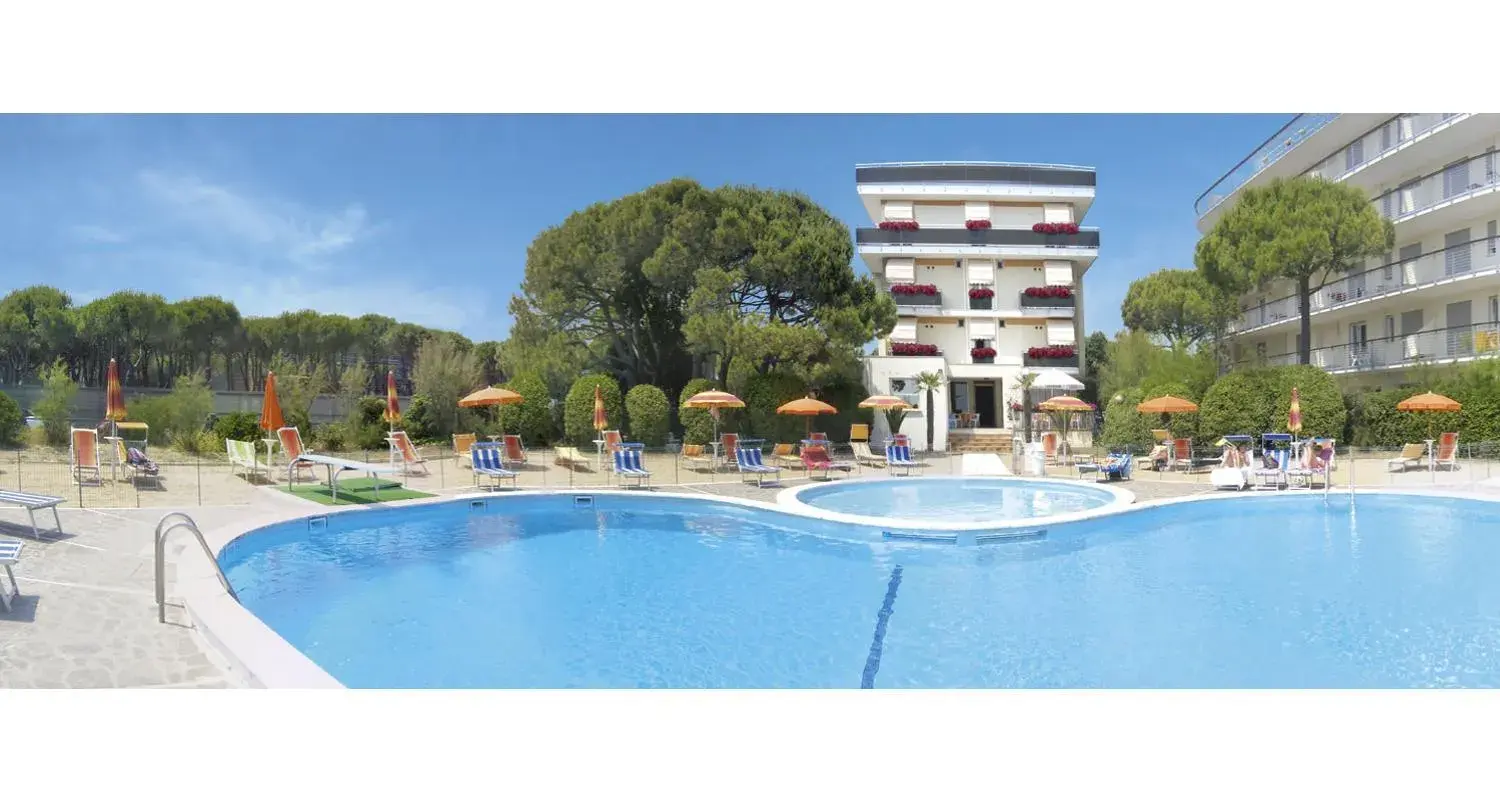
x,y
32,502
342,465
10,553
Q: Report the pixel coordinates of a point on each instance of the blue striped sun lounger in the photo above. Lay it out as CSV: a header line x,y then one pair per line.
x,y
899,456
487,460
628,465
10,553
1117,467
750,463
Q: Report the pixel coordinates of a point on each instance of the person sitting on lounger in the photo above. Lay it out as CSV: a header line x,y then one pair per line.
x,y
1268,460
1230,458
138,460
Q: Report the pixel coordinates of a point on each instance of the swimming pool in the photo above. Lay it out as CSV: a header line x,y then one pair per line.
x,y
1296,591
955,499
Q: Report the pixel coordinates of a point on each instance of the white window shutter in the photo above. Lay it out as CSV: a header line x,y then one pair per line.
x,y
900,270
898,209
1058,273
905,331
1060,333
976,210
981,329
981,271
1057,212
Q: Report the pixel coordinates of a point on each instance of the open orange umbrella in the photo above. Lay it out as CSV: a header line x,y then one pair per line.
x,y
392,413
1429,402
1065,403
713,400
806,407
883,401
601,420
491,396
1167,405
270,407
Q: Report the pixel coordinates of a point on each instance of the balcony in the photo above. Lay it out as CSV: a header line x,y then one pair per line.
x,y
992,237
923,295
974,172
1449,185
1440,345
1282,142
1048,301
1375,144
1053,356
1476,258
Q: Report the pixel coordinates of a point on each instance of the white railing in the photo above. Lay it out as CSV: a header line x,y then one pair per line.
x,y
1465,341
1451,184
1384,139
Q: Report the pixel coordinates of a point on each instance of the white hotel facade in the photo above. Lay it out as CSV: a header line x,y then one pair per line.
x,y
1435,297
986,263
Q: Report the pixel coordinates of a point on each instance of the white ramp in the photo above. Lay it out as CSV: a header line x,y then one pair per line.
x,y
983,464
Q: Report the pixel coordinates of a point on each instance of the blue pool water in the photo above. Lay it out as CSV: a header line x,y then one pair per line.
x,y
1280,591
955,499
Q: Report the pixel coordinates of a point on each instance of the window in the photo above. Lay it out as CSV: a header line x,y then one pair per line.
x,y
1455,179
1491,234
1494,308
1355,155
1390,327
1388,274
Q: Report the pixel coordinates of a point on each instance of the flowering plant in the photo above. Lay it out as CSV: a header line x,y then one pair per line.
x,y
981,292
1052,351
913,349
1049,291
1014,406
914,288
1055,227
977,224
898,225
983,352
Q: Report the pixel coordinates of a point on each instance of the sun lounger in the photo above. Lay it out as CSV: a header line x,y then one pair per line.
x,y
461,444
515,452
406,452
337,466
291,444
242,457
1116,467
1411,456
83,455
898,456
1230,474
749,461
1272,478
1303,475
695,458
33,503
627,463
785,456
863,455
486,462
1447,451
10,554
135,464
815,457
570,457
728,444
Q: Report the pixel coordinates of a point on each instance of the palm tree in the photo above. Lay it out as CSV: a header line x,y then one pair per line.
x,y
1024,381
930,382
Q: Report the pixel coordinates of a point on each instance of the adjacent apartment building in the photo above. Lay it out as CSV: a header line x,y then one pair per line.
x,y
1435,297
986,263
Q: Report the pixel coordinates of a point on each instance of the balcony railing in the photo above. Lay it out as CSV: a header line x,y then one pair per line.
x,y
1376,143
1465,341
1451,183
994,237
1477,255
1281,142
923,300
1027,301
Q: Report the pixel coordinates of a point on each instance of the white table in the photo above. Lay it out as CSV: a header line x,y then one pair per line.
x,y
340,465
270,455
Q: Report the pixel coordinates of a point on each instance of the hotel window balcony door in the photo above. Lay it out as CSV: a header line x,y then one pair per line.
x,y
1456,260
1460,319
1359,348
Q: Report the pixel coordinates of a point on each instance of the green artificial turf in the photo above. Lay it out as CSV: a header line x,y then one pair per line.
x,y
356,491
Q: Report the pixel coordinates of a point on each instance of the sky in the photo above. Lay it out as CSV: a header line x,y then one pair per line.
x,y
427,218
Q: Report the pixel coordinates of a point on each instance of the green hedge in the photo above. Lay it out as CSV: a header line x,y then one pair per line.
x,y
1257,401
697,424
11,422
1239,402
646,408
763,394
844,397
1124,427
532,417
578,410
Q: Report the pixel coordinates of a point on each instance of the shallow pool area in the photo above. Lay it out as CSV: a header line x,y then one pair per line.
x,y
956,500
635,590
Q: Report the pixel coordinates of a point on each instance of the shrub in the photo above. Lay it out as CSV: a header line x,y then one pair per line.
x,y
55,408
1182,426
197,443
1322,404
763,394
532,417
697,425
578,411
156,412
241,426
332,437
366,428
845,397
417,419
11,421
646,408
1239,402
1124,427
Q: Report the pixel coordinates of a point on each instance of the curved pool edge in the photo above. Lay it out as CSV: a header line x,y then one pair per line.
x,y
261,658
788,500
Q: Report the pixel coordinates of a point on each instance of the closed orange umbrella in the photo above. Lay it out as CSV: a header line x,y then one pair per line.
x,y
270,407
807,407
1167,405
601,420
114,397
392,405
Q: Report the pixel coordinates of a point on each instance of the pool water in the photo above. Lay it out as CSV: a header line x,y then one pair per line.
x,y
1263,592
955,500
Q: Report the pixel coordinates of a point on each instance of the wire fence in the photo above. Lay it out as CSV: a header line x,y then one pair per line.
x,y
188,480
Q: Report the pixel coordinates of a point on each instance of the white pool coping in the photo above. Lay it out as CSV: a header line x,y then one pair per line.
x,y
261,658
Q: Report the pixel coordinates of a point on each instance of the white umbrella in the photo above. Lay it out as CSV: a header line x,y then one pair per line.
x,y
1056,379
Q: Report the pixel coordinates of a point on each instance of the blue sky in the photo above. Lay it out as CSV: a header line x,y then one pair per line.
x,y
427,219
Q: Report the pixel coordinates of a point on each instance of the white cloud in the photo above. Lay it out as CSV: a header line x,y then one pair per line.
x,y
96,234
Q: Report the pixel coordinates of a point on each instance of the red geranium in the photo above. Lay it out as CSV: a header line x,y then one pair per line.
x,y
914,288
913,349
898,225
1055,227
981,292
1049,291
983,352
1052,351
977,224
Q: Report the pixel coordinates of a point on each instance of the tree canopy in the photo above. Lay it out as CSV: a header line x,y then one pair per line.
x,y
1304,230
1179,306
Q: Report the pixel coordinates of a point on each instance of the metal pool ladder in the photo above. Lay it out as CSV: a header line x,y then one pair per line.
x,y
163,530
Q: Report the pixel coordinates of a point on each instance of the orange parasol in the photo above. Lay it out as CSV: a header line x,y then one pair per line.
x,y
807,407
1065,403
114,399
270,407
392,405
713,400
1167,405
491,396
1429,402
883,401
601,420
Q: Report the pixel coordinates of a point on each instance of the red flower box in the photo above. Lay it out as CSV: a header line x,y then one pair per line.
x,y
977,224
1060,292
981,292
983,352
1052,351
914,288
1055,227
913,349
898,225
